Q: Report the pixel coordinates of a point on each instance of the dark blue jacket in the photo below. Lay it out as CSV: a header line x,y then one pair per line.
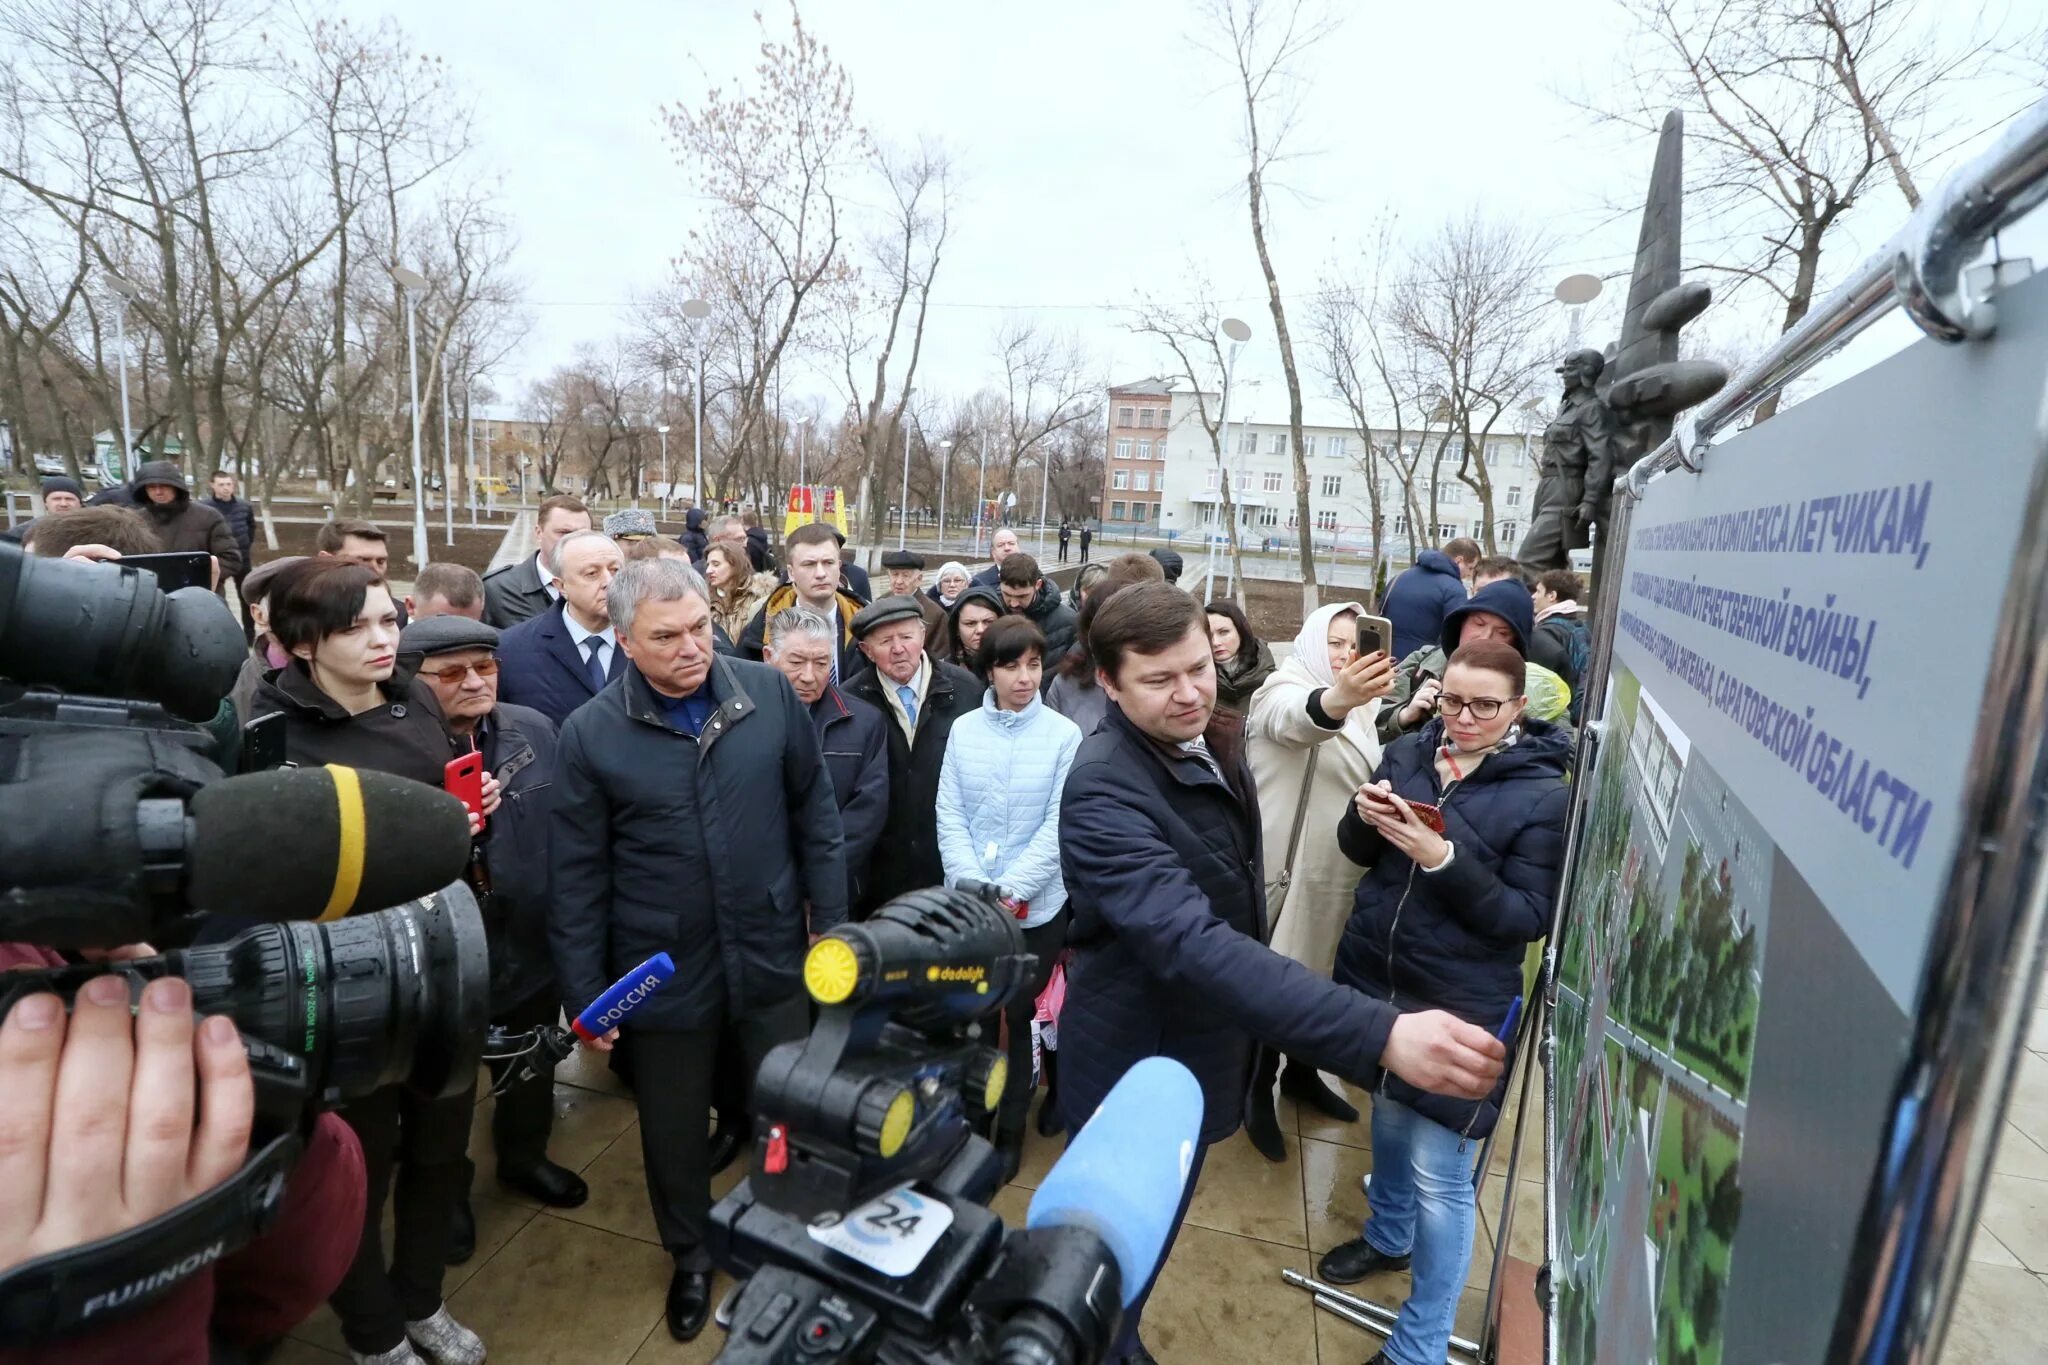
x,y
706,847
540,666
695,541
519,750
1455,940
1419,599
853,737
241,520
1161,861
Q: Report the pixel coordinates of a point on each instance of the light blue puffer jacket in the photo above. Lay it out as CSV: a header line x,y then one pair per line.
x,y
999,802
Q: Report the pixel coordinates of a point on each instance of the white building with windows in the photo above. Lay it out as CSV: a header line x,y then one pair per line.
x,y
1176,488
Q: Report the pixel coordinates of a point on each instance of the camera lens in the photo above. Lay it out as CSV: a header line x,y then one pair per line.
x,y
399,996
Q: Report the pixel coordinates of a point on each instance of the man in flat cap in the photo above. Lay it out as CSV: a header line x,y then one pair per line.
x,y
922,697
457,658
906,579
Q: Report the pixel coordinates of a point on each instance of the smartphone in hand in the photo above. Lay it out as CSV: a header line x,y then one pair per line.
x,y
463,779
1375,635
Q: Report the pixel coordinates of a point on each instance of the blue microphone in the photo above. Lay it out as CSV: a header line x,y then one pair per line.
x,y
1122,1176
624,996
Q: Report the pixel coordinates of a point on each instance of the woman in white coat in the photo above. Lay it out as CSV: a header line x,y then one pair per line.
x,y
1312,745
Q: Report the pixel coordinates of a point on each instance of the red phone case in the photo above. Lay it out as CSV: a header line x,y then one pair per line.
x,y
463,779
1428,815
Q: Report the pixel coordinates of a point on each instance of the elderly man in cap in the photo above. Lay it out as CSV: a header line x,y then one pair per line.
x,y
456,658
922,697
906,579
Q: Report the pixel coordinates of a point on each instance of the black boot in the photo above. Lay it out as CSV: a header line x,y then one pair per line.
x,y
1050,1124
1299,1081
1010,1147
462,1235
1261,1122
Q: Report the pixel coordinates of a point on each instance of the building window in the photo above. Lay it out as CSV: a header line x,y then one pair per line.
x,y
1159,449
1326,521
1123,448
1450,492
1272,480
1308,445
1116,511
1126,417
1401,524
1247,442
1505,532
1244,482
1269,516
1448,531
1340,446
1141,482
1277,444
1333,485
1208,514
1120,480
1144,450
1144,417
1514,495
1211,480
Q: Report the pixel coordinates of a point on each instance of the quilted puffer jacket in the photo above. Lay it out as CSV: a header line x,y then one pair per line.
x,y
999,801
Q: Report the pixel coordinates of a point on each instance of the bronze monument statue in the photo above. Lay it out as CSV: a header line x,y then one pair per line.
x,y
1603,428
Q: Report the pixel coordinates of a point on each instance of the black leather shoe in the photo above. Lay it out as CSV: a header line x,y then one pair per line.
x,y
462,1236
1050,1124
724,1149
1262,1126
556,1186
689,1303
1353,1261
1302,1084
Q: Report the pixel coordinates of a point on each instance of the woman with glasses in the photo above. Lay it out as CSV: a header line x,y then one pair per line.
x,y
1461,833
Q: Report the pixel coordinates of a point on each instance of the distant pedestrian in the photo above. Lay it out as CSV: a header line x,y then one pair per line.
x,y
241,521
1066,531
1087,537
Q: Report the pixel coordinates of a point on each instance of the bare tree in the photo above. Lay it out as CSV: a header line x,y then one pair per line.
x,y
1796,110
1262,42
1047,386
1190,330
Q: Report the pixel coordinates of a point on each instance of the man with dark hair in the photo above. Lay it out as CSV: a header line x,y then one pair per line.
x,y
1495,568
758,553
1423,594
59,494
444,589
359,542
182,524
523,590
1160,853
1087,538
812,555
456,658
119,530
922,697
1030,594
693,816
1564,638
241,520
1066,536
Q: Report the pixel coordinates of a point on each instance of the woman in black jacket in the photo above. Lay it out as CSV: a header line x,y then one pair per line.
x,y
344,701
1442,920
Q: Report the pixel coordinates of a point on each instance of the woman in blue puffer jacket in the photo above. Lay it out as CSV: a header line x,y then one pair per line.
x,y
999,822
1442,920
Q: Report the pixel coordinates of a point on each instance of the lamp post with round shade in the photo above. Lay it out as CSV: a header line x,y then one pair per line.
x,y
945,465
696,310
666,487
128,290
414,284
1237,333
1575,292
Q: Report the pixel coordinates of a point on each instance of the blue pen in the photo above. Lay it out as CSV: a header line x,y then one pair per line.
x,y
1507,1029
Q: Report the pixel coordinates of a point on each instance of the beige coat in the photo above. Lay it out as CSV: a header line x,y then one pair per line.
x,y
1310,909
744,608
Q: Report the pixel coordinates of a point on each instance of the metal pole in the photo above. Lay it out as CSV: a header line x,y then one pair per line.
x,y
667,486
469,441
419,478
1044,489
1222,472
903,525
980,494
697,493
127,427
447,466
1331,1299
945,467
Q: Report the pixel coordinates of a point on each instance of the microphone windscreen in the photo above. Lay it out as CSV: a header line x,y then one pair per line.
x,y
320,843
622,997
1122,1175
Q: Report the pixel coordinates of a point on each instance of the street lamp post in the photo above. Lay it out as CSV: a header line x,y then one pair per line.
x,y
945,465
414,283
1237,333
980,493
469,441
903,492
1044,494
127,289
803,478
666,487
447,466
696,310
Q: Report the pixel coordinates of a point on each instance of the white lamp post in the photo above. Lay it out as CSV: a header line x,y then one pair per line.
x,y
469,440
803,432
945,465
980,493
1237,332
696,310
414,284
127,289
447,466
1044,491
903,493
661,430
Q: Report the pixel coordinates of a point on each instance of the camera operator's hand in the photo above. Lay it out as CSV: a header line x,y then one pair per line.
x,y
93,554
1443,1054
104,1126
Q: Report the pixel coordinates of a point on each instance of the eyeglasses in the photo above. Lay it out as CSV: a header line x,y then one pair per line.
x,y
1486,708
483,668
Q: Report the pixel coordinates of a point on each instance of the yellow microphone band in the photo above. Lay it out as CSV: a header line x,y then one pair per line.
x,y
348,855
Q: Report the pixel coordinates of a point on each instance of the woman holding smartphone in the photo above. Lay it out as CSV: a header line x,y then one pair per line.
x,y
345,701
1311,741
1461,831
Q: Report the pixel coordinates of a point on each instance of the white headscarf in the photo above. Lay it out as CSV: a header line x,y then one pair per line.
x,y
1312,658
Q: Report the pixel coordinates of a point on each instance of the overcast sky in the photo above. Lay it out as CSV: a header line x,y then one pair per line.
x,y
1097,146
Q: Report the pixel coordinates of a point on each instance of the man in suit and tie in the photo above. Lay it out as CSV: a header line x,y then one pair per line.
x,y
519,592
562,658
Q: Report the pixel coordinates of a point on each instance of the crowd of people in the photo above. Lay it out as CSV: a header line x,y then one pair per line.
x,y
1274,870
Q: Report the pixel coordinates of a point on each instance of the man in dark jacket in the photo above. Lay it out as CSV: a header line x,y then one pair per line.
x,y
524,589
815,583
59,494
1160,852
758,552
241,520
693,816
694,538
1563,642
182,524
1001,546
906,579
852,737
456,658
1087,539
921,698
1169,562
1028,593
557,661
1066,537
1422,594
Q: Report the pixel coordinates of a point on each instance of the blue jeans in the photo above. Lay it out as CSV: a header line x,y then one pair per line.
x,y
1423,1206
